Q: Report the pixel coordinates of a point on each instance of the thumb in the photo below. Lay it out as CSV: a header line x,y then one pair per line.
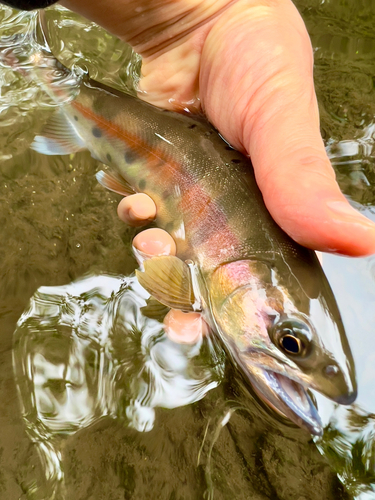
x,y
271,112
300,191
303,197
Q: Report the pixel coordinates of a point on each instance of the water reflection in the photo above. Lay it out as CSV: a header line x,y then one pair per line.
x,y
349,440
353,160
88,349
348,443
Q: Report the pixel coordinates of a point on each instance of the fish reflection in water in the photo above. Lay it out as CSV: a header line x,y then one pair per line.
x,y
86,350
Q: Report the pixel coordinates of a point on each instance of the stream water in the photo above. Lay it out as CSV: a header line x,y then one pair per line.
x,y
97,403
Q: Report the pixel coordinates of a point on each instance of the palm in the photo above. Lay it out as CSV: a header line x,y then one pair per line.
x,y
248,64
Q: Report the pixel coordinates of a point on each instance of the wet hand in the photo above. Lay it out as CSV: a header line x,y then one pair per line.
x,y
249,65
180,327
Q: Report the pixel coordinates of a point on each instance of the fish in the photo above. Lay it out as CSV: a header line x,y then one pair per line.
x,y
266,297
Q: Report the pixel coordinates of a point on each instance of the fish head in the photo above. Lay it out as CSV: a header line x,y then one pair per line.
x,y
286,339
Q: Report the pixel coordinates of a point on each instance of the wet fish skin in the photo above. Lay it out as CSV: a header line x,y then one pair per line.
x,y
258,285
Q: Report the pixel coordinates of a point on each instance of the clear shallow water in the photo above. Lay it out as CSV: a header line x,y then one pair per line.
x,y
87,392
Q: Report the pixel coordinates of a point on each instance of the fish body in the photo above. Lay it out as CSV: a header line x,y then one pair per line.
x,y
265,295
181,163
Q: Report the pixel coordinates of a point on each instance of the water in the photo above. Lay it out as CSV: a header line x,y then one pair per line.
x,y
81,395
88,350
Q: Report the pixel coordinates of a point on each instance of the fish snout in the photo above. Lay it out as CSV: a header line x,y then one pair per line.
x,y
347,399
339,385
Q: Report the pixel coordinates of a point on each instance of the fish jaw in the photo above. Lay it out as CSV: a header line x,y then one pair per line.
x,y
286,397
338,386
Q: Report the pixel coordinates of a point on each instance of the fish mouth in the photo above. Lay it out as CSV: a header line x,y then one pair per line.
x,y
286,397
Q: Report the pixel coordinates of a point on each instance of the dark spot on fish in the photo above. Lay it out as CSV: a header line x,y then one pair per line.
x,y
169,227
130,156
193,125
142,184
165,194
76,118
109,157
96,132
236,161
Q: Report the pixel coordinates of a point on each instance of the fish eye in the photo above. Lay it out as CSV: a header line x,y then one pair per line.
x,y
291,345
292,336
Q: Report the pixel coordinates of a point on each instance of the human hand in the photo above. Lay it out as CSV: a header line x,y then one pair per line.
x,y
180,327
137,210
249,65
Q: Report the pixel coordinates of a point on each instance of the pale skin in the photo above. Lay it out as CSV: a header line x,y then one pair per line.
x,y
248,64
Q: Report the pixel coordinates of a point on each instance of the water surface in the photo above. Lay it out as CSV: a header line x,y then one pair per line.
x,y
98,402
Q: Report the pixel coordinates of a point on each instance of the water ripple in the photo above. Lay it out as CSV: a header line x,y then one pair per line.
x,y
85,350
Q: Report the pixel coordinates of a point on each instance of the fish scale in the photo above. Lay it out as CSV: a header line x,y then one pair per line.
x,y
188,166
161,164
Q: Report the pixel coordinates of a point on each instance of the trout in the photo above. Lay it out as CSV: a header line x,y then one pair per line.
x,y
265,295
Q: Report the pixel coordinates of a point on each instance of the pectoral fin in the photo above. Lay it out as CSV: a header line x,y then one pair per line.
x,y
58,137
114,182
168,280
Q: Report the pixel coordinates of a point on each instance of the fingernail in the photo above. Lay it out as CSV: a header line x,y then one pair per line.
x,y
184,328
138,218
135,214
140,256
155,241
144,208
344,210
